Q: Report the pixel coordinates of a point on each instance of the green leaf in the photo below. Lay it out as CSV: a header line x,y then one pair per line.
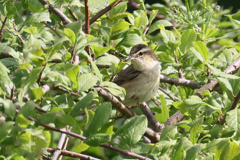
x,y
4,74
114,89
80,147
86,81
164,115
9,108
5,129
132,130
38,17
47,118
83,103
28,109
94,67
187,38
219,73
202,49
22,121
180,105
99,50
231,150
34,6
37,92
197,54
11,9
96,6
162,23
152,15
225,84
196,130
131,40
233,119
167,36
72,74
102,115
71,35
121,26
120,8
194,151
97,139
107,60
169,133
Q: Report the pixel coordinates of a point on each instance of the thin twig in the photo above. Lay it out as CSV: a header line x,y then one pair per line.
x,y
72,14
58,150
179,70
54,30
2,28
105,10
65,144
161,89
72,154
234,105
83,138
19,36
178,116
40,75
56,11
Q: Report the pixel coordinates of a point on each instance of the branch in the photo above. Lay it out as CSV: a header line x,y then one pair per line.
x,y
72,154
19,36
179,70
72,14
103,11
2,28
161,89
56,11
87,17
178,116
234,105
83,138
157,127
179,81
58,150
116,103
54,30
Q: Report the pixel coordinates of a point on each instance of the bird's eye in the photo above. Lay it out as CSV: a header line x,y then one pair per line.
x,y
140,53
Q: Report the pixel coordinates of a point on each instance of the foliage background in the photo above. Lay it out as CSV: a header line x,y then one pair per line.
x,y
57,98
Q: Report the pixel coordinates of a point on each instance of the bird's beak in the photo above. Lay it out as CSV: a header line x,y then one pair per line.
x,y
130,58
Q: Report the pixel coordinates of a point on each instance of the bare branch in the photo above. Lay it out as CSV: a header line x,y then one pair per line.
x,y
179,81
161,89
103,11
234,105
116,103
58,150
54,30
72,14
72,154
178,116
151,118
2,28
83,138
56,11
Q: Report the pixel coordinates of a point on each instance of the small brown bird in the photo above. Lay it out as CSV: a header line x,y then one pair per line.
x,y
140,79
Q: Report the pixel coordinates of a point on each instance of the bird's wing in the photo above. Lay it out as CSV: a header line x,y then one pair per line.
x,y
126,75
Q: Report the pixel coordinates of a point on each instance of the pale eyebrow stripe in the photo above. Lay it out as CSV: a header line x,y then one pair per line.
x,y
144,50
